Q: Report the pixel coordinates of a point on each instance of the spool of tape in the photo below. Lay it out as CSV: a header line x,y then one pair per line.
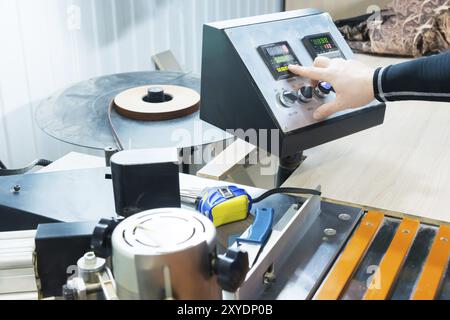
x,y
157,102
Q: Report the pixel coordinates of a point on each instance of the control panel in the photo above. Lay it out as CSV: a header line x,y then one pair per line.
x,y
245,63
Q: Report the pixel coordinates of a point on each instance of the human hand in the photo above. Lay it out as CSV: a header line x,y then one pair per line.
x,y
352,81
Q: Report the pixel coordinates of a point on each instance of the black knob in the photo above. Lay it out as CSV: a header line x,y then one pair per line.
x,y
231,269
305,94
156,95
101,238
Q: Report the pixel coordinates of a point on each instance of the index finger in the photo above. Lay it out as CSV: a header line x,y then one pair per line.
x,y
314,73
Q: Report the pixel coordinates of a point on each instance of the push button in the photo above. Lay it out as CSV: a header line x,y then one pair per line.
x,y
305,94
323,89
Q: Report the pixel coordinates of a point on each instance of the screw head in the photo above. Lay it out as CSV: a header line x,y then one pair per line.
x,y
330,232
344,217
16,188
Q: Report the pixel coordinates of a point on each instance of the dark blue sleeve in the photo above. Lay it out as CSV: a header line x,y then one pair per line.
x,y
421,79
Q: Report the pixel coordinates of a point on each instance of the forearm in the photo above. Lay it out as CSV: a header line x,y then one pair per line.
x,y
422,79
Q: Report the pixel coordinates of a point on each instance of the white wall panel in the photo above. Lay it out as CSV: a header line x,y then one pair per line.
x,y
47,45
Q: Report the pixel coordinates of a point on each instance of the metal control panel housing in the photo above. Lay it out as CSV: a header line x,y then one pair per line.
x,y
246,84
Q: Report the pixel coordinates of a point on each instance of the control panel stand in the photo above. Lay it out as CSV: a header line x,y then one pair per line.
x,y
287,167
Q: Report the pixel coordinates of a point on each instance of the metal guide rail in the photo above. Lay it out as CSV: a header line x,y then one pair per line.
x,y
390,258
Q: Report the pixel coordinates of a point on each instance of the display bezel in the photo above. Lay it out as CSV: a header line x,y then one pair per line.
x,y
267,60
314,53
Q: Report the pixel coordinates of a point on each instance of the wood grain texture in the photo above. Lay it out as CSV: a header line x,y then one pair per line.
x,y
401,166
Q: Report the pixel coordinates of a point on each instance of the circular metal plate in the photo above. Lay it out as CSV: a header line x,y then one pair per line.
x,y
78,115
163,231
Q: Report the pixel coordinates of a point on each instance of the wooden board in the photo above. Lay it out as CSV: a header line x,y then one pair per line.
x,y
227,160
402,166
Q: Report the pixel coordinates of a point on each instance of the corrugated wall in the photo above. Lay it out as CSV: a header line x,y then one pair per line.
x,y
47,45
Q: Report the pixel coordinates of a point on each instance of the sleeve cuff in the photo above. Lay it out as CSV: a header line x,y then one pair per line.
x,y
376,84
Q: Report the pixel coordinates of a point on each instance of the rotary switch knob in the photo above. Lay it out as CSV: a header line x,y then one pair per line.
x,y
288,98
323,89
305,94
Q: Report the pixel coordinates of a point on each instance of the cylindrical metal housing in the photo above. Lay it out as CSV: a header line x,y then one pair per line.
x,y
165,254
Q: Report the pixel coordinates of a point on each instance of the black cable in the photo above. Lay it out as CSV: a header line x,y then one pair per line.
x,y
287,190
35,163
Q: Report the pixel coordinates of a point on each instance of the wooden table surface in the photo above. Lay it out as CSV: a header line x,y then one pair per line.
x,y
402,166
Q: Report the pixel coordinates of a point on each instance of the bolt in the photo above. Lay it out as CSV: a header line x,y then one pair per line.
x,y
330,232
16,188
345,217
406,231
444,239
90,258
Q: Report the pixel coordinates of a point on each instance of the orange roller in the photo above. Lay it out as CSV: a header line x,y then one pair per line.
x,y
351,257
386,275
435,267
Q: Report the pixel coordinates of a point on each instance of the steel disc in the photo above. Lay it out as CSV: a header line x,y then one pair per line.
x,y
78,115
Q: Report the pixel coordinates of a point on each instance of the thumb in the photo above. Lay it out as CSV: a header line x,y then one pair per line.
x,y
327,110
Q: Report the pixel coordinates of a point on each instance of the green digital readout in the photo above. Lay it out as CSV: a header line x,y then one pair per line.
x,y
321,41
320,44
282,59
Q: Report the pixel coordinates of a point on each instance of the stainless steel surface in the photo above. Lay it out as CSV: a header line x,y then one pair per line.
x,y
292,29
148,243
78,115
314,255
297,253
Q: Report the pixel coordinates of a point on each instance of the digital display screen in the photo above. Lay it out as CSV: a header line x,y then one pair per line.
x,y
321,44
278,56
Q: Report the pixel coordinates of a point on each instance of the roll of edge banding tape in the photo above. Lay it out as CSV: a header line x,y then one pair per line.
x,y
180,102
